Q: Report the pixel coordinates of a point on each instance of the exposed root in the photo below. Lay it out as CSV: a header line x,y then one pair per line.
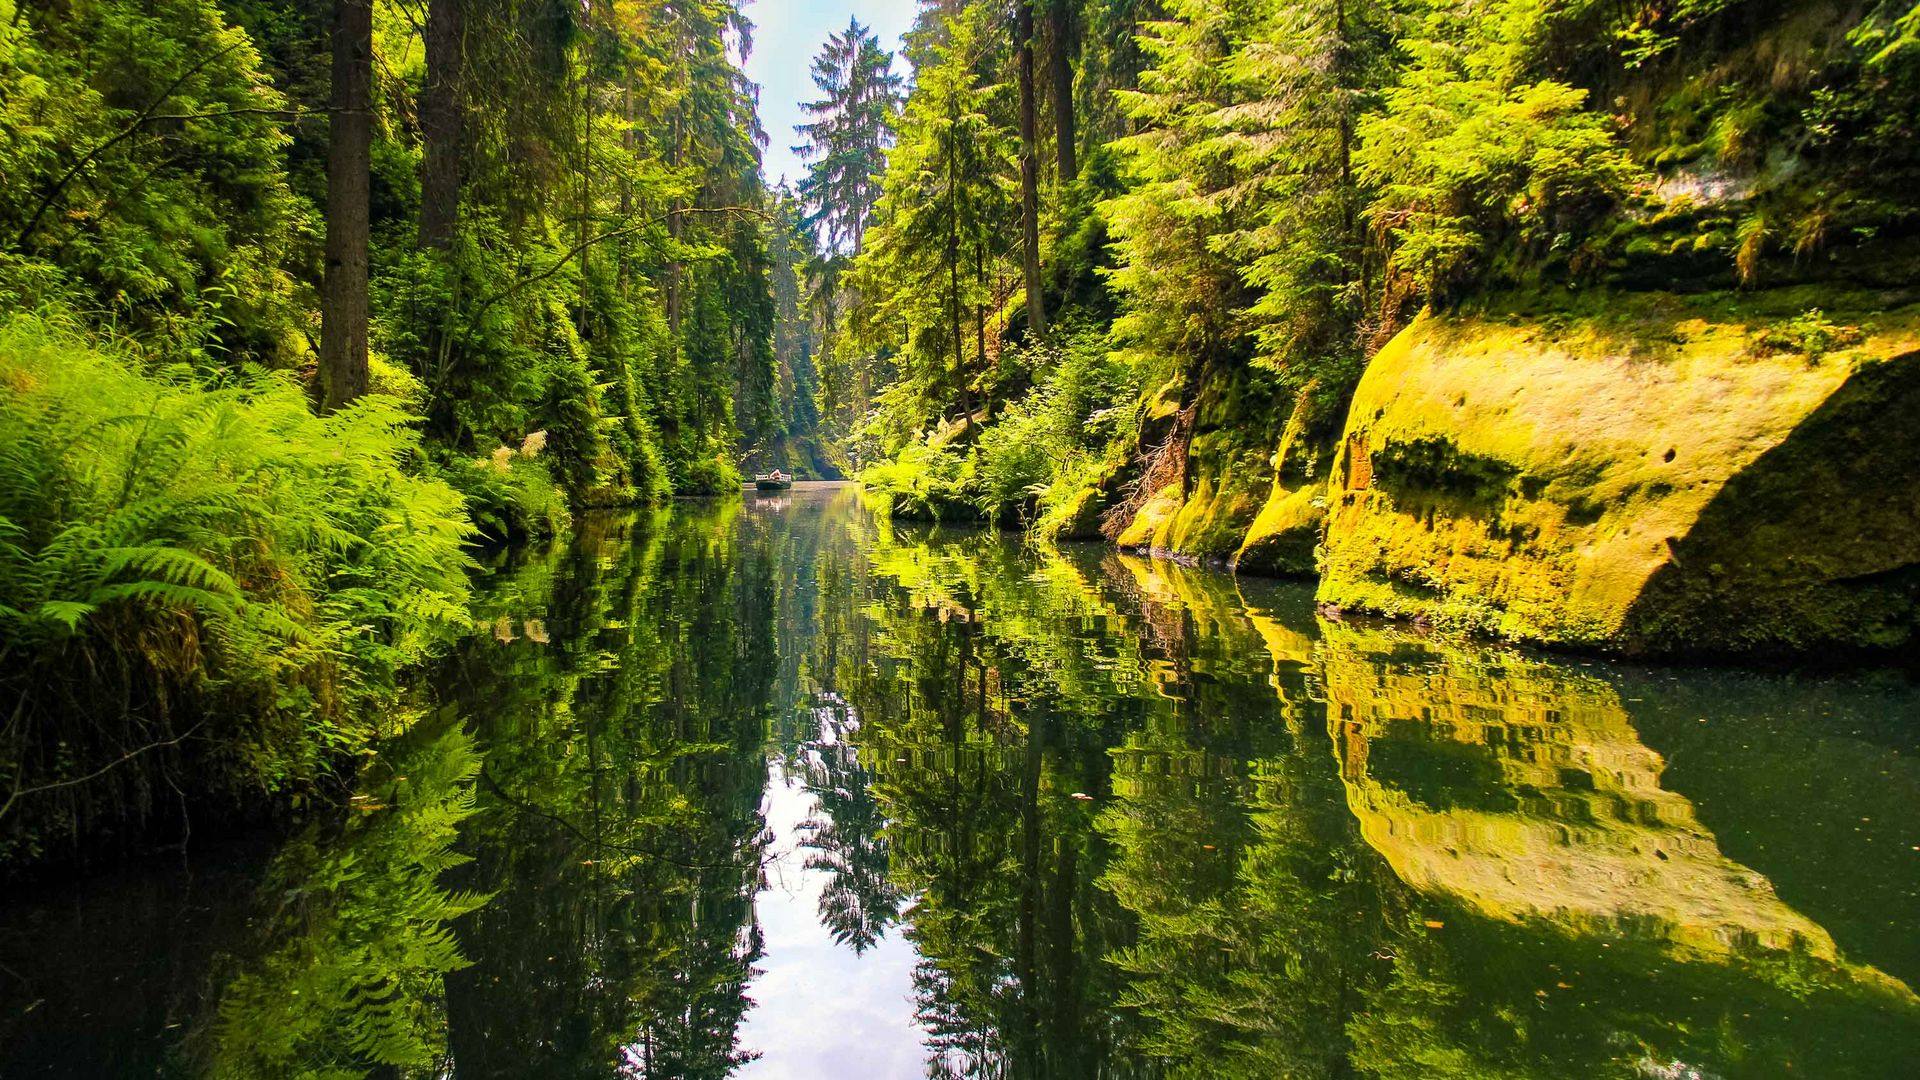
x,y
1159,466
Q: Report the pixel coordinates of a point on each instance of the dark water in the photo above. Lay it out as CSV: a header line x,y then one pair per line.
x,y
775,790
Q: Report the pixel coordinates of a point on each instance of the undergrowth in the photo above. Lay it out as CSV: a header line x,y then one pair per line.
x,y
1040,453
205,592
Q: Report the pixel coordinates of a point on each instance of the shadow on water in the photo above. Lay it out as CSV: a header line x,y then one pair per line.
x,y
1050,814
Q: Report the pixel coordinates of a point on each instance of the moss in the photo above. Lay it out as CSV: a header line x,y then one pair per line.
x,y
1285,537
1150,522
1225,475
1434,466
1222,501
1078,518
1816,544
1509,473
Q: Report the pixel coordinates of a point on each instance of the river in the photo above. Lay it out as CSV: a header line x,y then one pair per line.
x,y
770,788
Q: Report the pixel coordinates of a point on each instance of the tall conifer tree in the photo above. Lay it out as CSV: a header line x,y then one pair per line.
x,y
848,136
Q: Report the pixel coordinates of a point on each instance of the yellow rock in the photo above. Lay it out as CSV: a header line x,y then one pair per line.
x,y
1662,475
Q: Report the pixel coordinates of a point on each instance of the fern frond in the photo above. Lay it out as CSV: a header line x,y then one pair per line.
x,y
67,613
170,565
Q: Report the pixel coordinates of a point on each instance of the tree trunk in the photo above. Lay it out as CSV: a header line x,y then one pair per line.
x,y
441,120
673,265
980,325
343,307
1032,997
586,190
626,191
1029,176
953,289
1060,22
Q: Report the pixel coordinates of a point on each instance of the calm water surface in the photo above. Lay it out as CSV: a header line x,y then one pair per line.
x,y
775,790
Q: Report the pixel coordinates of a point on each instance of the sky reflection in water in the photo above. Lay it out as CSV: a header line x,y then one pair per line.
x,y
778,790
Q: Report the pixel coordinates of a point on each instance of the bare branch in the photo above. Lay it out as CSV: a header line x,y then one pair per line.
x,y
20,793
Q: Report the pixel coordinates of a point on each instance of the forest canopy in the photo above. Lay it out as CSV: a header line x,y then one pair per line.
x,y
297,301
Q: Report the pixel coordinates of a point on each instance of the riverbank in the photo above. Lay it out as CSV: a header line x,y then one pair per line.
x,y
210,592
1594,328
1714,476
1657,475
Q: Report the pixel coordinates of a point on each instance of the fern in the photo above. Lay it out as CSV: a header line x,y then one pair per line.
x,y
218,556
366,939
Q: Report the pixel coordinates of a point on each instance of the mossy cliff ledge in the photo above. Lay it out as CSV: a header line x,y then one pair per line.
x,y
1648,474
1208,475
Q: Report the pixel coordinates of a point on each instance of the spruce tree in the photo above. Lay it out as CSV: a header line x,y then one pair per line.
x,y
943,215
848,136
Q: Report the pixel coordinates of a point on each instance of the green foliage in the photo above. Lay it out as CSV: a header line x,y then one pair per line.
x,y
246,577
350,975
1469,156
1811,334
1061,439
510,494
218,565
145,179
942,228
923,479
164,179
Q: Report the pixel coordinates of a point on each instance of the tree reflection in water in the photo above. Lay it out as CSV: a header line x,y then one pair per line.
x,y
1320,850
1133,819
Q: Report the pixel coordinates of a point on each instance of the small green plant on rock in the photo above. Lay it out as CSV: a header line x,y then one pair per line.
x,y
1810,334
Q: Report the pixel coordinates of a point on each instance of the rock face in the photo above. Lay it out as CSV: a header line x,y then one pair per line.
x,y
1211,474
1656,475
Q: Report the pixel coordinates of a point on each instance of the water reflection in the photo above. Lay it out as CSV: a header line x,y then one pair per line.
x,y
354,941
621,831
770,788
843,835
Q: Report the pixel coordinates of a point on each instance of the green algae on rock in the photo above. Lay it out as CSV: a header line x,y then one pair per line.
x,y
1649,472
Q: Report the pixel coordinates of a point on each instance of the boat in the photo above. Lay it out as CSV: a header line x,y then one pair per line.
x,y
773,481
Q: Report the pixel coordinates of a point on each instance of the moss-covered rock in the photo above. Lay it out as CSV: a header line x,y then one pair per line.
x,y
1221,469
1076,518
1651,473
1284,538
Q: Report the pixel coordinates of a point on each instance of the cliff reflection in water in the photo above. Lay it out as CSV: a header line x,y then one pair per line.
x,y
1127,818
1321,849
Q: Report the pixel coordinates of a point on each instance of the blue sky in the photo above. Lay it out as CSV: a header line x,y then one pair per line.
x,y
787,34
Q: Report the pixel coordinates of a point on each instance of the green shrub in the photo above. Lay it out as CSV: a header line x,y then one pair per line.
x,y
511,494
203,591
183,231
924,480
1017,456
1470,153
1047,448
1810,334
711,474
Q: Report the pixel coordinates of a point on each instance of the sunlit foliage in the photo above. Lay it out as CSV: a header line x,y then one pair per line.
x,y
199,588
